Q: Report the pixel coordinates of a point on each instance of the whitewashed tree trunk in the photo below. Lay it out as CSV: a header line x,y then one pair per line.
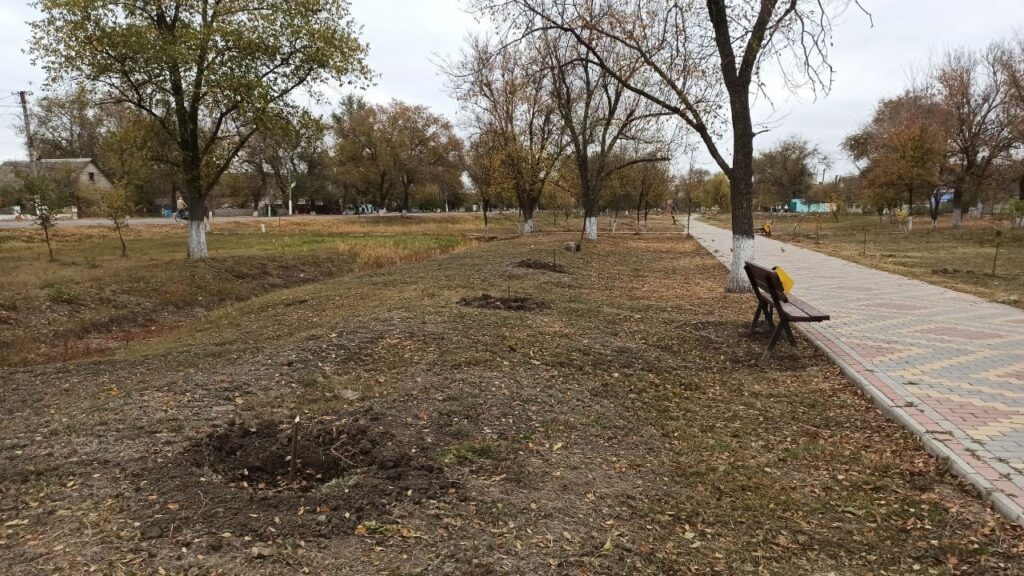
x,y
742,251
910,224
958,216
528,226
196,239
590,228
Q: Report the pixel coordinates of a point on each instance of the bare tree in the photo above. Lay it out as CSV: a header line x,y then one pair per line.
x,y
973,88
1013,66
703,58
508,92
598,115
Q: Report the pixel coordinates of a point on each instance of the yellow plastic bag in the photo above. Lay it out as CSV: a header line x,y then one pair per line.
x,y
787,282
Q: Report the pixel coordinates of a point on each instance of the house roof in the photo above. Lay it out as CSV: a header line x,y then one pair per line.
x,y
77,164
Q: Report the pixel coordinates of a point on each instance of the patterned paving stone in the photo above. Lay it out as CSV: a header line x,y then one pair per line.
x,y
948,365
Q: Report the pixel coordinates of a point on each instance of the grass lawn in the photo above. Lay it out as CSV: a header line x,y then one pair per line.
x,y
958,259
91,300
623,425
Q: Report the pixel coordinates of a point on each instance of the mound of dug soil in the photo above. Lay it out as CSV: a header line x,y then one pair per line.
x,y
535,264
516,303
333,458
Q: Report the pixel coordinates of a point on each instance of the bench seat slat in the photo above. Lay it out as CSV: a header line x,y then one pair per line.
x,y
796,314
812,313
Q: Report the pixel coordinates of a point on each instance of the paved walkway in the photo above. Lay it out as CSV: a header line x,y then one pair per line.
x,y
947,365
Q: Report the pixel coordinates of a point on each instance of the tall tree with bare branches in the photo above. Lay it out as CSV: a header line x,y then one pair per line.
x,y
598,116
705,60
1013,67
973,88
507,93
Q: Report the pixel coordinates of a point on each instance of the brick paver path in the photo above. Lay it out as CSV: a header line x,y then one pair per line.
x,y
947,365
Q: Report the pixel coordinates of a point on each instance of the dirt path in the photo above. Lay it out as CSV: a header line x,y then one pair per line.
x,y
625,426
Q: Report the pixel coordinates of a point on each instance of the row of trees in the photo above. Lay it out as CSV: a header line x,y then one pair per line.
x,y
208,76
544,120
699,62
590,78
958,131
395,155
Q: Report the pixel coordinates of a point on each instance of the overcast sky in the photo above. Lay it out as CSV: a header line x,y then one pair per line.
x,y
408,36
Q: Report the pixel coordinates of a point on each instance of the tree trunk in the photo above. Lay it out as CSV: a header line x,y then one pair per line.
x,y
485,205
49,247
527,225
935,202
196,238
526,207
741,187
958,213
406,187
124,247
590,227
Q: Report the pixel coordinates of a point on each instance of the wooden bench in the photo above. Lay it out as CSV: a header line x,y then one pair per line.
x,y
773,301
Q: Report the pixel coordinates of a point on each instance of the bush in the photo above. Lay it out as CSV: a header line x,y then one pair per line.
x,y
61,294
1016,209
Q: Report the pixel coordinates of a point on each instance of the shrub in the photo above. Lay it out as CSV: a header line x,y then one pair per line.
x,y
61,294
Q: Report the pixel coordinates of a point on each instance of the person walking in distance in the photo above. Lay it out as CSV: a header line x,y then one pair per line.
x,y
182,207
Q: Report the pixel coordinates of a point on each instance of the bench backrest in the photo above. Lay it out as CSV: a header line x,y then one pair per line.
x,y
766,284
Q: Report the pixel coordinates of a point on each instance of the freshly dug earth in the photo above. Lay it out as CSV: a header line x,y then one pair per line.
x,y
628,429
517,303
535,264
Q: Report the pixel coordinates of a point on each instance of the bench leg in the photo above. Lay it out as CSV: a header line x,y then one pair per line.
x,y
789,335
774,340
757,316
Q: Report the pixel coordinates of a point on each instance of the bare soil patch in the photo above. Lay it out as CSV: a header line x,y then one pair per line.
x,y
535,264
513,303
259,457
350,471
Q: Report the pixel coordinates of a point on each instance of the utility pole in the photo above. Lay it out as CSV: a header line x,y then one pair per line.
x,y
28,125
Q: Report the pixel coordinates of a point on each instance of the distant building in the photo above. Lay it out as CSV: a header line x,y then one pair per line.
x,y
82,170
72,174
799,206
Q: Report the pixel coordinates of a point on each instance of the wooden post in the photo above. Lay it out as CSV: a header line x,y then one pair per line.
x,y
995,257
295,450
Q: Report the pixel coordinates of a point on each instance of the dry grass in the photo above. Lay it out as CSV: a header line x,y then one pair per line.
x,y
91,301
629,428
957,259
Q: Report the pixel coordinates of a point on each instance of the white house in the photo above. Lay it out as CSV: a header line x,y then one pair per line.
x,y
78,173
